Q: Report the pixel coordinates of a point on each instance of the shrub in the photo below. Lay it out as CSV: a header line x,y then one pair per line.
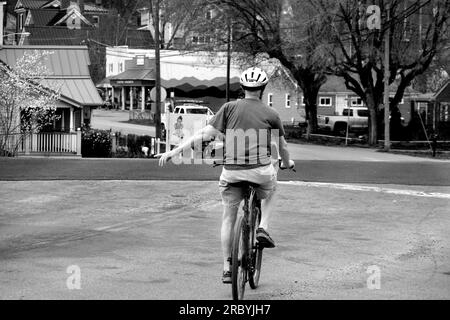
x,y
96,143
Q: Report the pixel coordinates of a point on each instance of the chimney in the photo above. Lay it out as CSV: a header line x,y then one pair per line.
x,y
2,13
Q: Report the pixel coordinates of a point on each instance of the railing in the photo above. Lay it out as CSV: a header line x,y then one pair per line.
x,y
49,144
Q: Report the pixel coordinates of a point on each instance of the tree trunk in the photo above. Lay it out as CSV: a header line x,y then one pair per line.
x,y
310,98
372,121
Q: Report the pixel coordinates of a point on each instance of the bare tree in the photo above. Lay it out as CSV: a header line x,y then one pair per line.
x,y
287,30
177,20
417,29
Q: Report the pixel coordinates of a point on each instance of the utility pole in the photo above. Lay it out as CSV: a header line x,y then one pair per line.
x,y
158,72
228,56
387,143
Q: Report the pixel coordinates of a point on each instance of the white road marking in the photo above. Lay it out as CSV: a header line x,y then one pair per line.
x,y
355,187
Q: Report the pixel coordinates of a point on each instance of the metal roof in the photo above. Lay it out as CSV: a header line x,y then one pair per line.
x,y
65,61
69,68
81,91
135,74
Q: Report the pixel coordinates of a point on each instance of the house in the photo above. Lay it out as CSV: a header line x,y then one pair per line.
x,y
78,97
334,97
433,110
57,22
70,73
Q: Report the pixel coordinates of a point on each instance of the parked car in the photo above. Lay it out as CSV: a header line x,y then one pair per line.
x,y
352,119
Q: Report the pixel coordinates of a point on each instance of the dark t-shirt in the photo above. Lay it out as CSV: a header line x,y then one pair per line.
x,y
247,125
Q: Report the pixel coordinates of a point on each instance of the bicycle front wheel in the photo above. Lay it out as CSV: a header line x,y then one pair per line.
x,y
238,261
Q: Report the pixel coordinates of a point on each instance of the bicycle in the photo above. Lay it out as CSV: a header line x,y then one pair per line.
x,y
246,253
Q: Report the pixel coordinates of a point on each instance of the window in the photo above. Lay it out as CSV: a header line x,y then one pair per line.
x,y
120,64
21,21
325,102
208,15
111,67
95,20
288,100
270,99
356,102
363,113
201,39
346,113
140,60
197,111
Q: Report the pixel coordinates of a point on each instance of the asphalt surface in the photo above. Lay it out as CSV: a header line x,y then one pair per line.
x,y
160,240
138,231
432,173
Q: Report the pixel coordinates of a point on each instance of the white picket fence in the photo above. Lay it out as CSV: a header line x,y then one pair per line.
x,y
48,144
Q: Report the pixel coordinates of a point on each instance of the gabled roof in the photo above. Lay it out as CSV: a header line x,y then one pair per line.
x,y
443,95
45,17
69,67
30,4
71,13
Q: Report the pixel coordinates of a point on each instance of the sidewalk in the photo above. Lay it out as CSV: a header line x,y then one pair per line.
x,y
329,153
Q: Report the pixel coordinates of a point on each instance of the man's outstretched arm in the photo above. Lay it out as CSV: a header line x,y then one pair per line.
x,y
208,133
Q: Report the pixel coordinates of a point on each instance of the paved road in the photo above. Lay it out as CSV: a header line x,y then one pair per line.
x,y
408,173
160,240
134,233
117,122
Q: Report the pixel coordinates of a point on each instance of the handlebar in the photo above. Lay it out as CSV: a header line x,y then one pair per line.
x,y
280,163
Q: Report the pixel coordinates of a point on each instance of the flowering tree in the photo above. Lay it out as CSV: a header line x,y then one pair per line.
x,y
27,100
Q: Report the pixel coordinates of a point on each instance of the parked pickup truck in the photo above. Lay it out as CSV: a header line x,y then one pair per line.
x,y
355,118
192,111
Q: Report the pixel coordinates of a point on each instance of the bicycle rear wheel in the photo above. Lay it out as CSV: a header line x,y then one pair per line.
x,y
256,253
238,261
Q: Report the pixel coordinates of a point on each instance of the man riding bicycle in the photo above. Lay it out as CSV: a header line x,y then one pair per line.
x,y
254,125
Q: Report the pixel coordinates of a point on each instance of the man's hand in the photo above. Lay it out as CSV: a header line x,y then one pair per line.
x,y
165,157
284,167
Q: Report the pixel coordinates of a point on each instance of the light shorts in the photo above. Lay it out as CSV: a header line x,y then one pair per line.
x,y
265,177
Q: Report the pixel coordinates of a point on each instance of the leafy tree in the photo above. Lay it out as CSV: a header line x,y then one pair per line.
x,y
27,104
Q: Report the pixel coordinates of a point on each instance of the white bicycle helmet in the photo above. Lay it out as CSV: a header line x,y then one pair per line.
x,y
254,78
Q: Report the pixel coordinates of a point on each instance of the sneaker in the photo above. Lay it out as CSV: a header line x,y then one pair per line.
x,y
226,277
264,239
